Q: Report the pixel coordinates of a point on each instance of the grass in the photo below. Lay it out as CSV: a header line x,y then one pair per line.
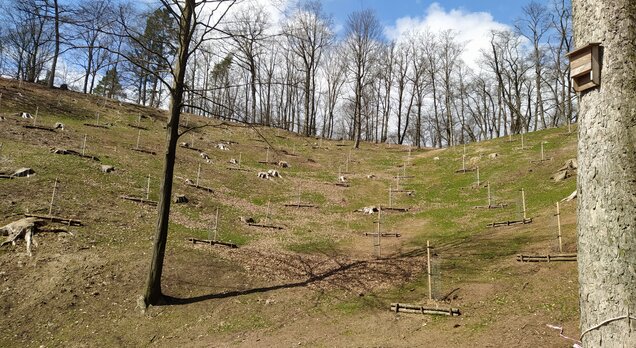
x,y
441,211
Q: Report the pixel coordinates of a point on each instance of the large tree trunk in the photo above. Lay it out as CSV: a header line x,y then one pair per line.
x,y
153,293
607,176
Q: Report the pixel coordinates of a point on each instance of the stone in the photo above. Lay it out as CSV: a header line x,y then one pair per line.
x,y
22,172
562,175
59,125
179,198
107,169
493,155
571,164
247,220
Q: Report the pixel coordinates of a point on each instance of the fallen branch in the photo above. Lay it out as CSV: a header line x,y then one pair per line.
x,y
383,234
212,242
50,129
409,308
265,226
207,189
144,151
300,205
508,223
66,221
140,200
546,258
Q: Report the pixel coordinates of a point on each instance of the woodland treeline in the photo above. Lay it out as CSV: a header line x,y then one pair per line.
x,y
300,75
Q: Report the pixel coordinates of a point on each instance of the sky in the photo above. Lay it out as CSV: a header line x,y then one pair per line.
x,y
471,20
389,11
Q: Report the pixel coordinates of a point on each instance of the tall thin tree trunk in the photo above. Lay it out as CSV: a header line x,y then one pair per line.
x,y
153,293
607,176
56,53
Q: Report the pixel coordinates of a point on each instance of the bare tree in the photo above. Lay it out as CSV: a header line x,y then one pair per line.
x,y
189,16
607,176
334,71
308,32
247,31
363,34
533,26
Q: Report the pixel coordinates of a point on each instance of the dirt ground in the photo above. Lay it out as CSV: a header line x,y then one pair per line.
x,y
82,289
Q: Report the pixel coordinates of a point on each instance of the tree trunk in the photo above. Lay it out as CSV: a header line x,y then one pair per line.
x,y
51,82
607,176
153,293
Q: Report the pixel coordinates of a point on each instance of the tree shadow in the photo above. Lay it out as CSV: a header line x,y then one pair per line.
x,y
170,300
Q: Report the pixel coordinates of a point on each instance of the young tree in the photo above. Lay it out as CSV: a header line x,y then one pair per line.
x,y
109,86
189,16
607,176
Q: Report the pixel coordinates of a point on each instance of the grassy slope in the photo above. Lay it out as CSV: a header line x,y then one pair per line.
x,y
81,290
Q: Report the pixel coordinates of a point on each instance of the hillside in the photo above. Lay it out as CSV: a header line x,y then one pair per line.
x,y
317,281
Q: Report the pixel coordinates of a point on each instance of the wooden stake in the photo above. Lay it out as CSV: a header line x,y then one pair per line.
x,y
239,162
84,145
542,156
521,141
523,203
52,198
98,118
148,188
268,216
428,265
558,214
379,234
390,197
198,174
216,223
489,198
464,163
299,195
348,159
37,109
477,176
138,137
139,121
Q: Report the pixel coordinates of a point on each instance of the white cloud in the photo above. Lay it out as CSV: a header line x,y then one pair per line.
x,y
473,28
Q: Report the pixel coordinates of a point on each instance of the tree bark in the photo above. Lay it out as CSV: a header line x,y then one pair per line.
x,y
153,293
56,53
607,176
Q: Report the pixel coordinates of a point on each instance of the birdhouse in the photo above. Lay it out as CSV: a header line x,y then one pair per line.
x,y
585,67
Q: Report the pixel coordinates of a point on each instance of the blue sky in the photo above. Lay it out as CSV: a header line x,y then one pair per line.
x,y
503,11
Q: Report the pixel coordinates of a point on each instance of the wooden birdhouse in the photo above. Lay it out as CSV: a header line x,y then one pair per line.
x,y
585,67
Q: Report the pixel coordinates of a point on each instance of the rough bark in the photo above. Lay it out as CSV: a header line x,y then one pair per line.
x,y
607,176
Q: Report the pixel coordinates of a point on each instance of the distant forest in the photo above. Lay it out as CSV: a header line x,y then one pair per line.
x,y
297,74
